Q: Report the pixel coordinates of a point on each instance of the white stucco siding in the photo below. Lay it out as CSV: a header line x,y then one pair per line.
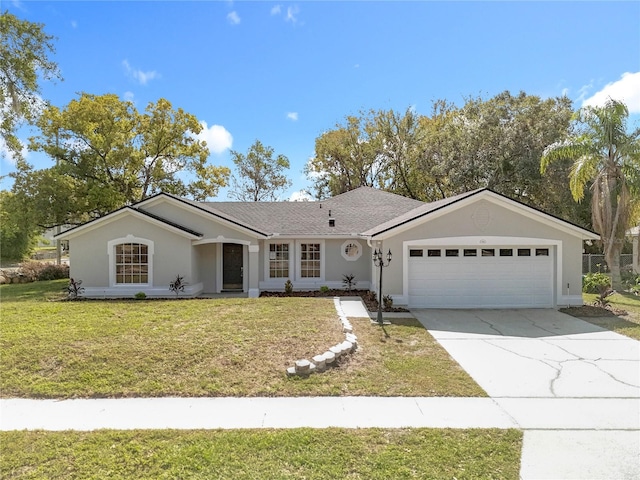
x,y
501,226
336,265
205,264
90,259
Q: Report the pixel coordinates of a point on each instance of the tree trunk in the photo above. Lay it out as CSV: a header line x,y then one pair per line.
x,y
612,257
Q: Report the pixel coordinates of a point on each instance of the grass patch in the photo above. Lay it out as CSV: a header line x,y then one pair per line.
x,y
212,347
265,454
628,324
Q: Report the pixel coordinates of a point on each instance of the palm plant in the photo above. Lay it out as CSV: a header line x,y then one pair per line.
x,y
606,158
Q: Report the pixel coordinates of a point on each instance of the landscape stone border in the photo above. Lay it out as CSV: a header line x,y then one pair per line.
x,y
324,361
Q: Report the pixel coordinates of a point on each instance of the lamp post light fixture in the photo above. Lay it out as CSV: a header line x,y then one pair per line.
x,y
378,261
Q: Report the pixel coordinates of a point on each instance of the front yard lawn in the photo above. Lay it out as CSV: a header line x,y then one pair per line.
x,y
212,347
264,454
622,316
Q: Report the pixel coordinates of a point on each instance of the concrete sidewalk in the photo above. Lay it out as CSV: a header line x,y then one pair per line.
x,y
276,412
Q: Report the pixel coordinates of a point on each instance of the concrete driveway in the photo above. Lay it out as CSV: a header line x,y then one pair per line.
x,y
572,386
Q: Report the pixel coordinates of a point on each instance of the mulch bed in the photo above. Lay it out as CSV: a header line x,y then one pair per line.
x,y
593,311
369,300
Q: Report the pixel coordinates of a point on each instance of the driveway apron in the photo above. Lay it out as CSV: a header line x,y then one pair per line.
x,y
572,386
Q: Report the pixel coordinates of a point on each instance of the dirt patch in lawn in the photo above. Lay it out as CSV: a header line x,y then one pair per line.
x,y
591,311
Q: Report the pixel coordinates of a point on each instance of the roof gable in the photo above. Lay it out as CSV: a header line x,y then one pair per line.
x,y
429,211
129,211
205,209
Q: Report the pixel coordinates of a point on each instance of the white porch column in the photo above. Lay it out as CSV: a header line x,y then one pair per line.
x,y
254,273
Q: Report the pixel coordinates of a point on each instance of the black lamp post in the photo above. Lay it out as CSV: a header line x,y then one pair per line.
x,y
378,261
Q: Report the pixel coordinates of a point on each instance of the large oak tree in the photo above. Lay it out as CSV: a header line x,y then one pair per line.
x,y
107,154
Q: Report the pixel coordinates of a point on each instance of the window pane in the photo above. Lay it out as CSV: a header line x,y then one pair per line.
x,y
542,252
351,250
524,252
506,252
488,252
470,252
132,263
310,260
433,253
415,253
450,252
278,260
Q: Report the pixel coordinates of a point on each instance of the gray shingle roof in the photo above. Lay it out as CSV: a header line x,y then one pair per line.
x,y
420,211
353,212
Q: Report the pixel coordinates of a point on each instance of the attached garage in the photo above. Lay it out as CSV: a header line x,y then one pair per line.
x,y
481,250
487,276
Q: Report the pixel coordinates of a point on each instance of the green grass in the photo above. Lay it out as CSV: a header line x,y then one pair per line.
x,y
263,454
213,347
627,324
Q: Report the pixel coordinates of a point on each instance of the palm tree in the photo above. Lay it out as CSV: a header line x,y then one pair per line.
x,y
607,158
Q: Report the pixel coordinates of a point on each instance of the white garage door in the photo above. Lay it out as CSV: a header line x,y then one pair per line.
x,y
487,277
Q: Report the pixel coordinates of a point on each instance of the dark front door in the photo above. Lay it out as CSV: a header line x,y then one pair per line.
x,y
231,266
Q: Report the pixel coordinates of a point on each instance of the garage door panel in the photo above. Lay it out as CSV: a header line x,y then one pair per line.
x,y
490,282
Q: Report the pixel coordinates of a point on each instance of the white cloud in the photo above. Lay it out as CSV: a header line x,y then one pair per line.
x,y
292,116
626,90
289,15
217,137
233,18
140,76
128,96
292,13
74,24
301,196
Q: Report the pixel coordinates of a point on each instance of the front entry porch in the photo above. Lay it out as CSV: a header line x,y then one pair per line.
x,y
225,266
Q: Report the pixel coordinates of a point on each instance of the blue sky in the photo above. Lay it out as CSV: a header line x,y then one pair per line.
x,y
284,72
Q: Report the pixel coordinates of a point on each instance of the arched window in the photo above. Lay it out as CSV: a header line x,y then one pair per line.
x,y
130,261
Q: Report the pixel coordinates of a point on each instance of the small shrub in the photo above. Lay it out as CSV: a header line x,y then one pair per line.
x,y
387,301
592,282
74,290
140,296
178,285
53,272
349,281
632,282
604,291
33,271
288,287
324,289
372,296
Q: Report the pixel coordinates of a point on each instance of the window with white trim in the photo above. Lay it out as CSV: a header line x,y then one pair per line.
x,y
278,260
132,263
310,260
351,250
